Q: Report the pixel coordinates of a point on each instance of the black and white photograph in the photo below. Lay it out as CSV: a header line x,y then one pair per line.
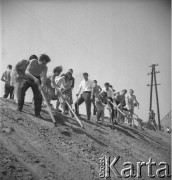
x,y
85,89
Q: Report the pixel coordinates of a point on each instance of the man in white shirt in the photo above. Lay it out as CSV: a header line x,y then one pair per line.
x,y
110,96
86,86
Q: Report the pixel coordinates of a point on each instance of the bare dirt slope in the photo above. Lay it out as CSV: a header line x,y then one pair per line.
x,y
32,148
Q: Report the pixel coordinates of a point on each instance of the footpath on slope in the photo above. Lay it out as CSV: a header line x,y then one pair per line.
x,y
32,148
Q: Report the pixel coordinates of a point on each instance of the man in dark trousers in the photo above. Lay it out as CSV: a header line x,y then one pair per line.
x,y
86,86
18,74
36,71
110,96
73,84
6,77
96,90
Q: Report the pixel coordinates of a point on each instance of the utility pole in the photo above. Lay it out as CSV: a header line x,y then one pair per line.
x,y
153,76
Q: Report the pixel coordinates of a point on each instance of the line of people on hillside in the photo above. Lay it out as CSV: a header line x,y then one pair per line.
x,y
59,86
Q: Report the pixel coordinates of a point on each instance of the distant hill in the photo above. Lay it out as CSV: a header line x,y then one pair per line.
x,y
166,121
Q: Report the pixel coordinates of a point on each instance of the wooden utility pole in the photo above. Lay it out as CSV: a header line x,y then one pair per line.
x,y
153,76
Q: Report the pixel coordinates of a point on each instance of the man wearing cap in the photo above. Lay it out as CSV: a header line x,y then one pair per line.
x,y
96,90
86,86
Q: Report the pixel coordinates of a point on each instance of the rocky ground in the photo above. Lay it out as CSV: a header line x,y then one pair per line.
x,y
33,148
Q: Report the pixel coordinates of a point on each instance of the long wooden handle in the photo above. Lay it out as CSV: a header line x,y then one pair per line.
x,y
71,109
48,107
75,115
118,109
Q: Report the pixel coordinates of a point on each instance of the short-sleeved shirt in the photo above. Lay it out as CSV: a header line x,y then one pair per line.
x,y
96,90
35,68
86,85
110,93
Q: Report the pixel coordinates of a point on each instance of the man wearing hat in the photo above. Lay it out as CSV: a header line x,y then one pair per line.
x,y
86,86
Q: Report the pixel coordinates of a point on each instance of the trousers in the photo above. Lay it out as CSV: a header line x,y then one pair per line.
x,y
85,96
8,90
36,93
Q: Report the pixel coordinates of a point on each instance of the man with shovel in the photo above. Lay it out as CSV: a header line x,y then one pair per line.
x,y
35,72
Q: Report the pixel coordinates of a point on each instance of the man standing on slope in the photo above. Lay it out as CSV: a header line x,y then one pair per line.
x,y
96,90
73,84
131,103
6,77
119,101
87,87
110,96
18,75
36,71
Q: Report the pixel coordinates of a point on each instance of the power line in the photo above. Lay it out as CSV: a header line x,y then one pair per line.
x,y
58,33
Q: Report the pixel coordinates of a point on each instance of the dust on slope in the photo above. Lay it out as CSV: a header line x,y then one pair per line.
x,y
34,149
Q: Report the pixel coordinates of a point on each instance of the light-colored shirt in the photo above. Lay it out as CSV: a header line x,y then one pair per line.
x,y
110,92
86,85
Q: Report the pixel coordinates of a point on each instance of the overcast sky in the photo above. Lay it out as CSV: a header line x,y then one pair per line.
x,y
114,41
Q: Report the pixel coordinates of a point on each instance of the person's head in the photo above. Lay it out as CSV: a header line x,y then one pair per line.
x,y
95,82
33,56
68,75
104,94
131,91
85,75
124,91
57,70
71,71
44,59
106,86
9,66
48,82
